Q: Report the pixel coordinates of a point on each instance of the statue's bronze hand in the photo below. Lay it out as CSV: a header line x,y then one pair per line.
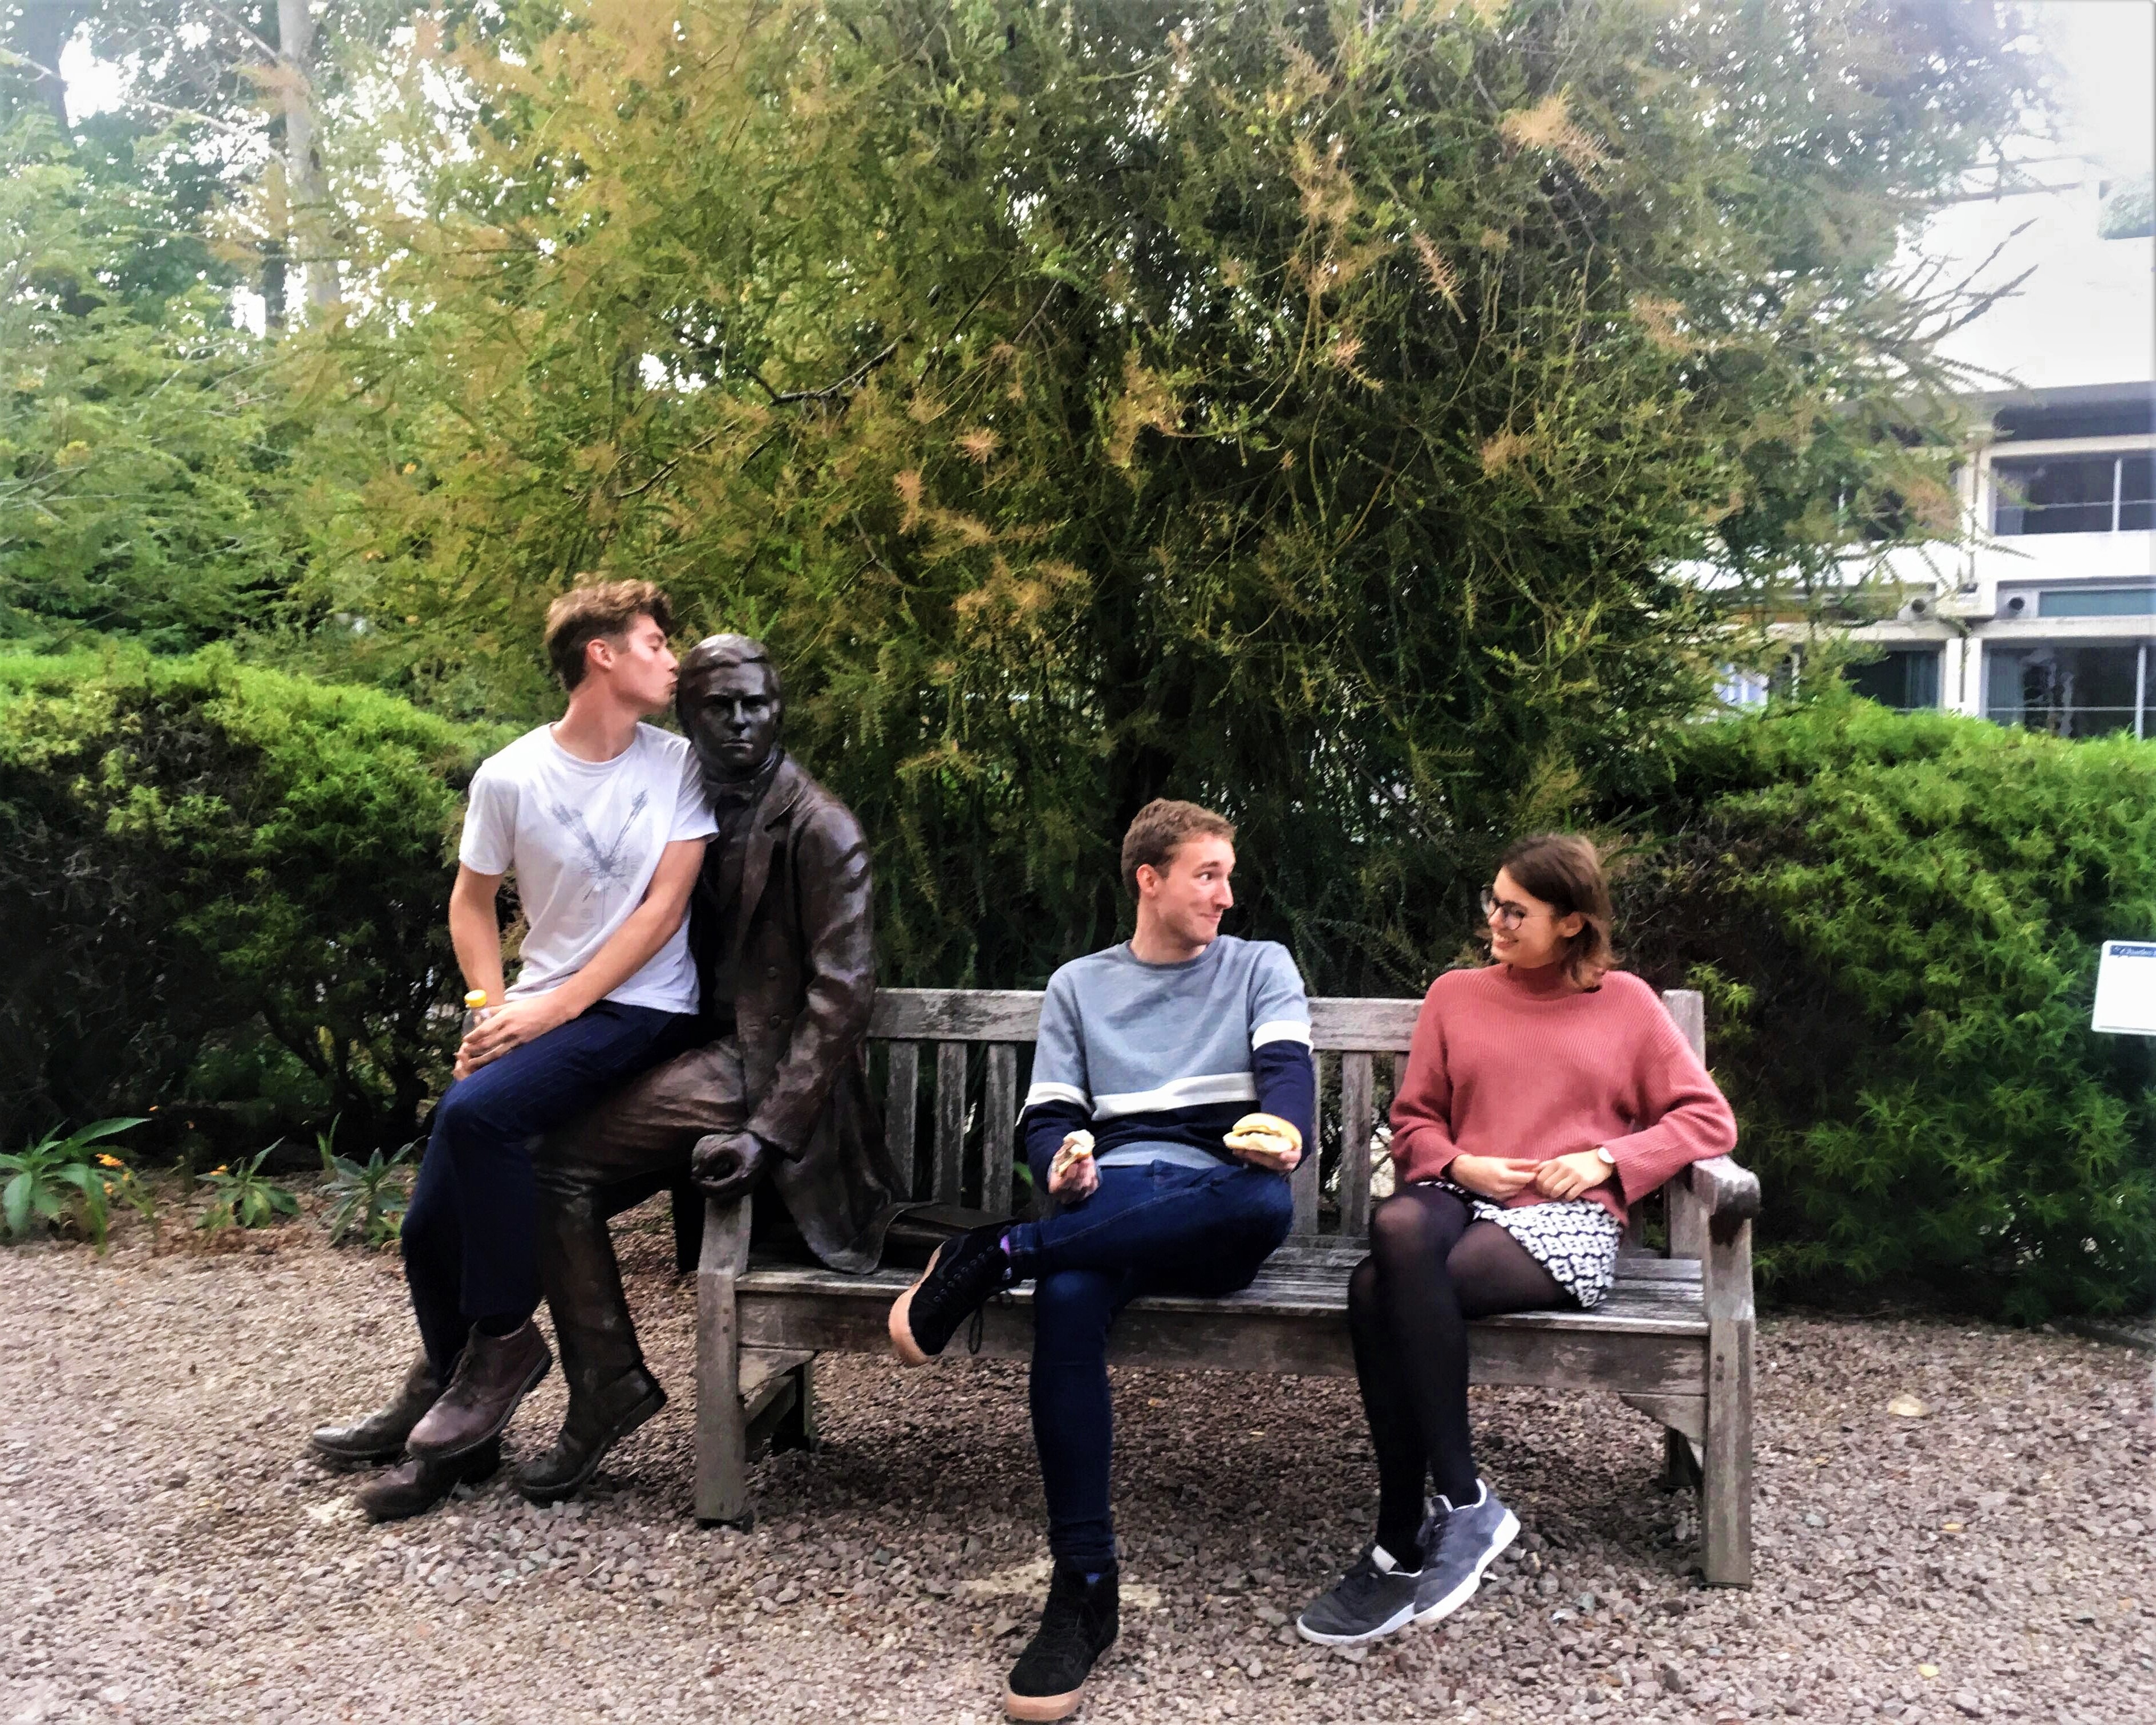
x,y
727,1165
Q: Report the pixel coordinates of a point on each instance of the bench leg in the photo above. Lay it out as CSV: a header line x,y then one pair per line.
x,y
1725,1511
721,1433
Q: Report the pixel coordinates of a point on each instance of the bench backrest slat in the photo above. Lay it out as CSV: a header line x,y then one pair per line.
x,y
901,1093
1349,1036
998,1127
950,1120
1358,1115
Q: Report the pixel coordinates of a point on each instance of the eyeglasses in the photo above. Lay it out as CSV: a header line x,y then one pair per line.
x,y
1507,915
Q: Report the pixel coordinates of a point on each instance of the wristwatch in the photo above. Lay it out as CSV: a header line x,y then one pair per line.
x,y
1604,1157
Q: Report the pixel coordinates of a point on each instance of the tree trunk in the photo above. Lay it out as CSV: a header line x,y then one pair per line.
x,y
307,191
42,29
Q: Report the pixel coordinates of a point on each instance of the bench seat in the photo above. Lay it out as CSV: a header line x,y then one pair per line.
x,y
1646,1338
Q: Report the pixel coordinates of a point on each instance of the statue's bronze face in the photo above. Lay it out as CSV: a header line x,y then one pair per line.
x,y
732,713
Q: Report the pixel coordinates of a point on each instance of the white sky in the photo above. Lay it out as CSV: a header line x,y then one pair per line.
x,y
2108,51
2087,312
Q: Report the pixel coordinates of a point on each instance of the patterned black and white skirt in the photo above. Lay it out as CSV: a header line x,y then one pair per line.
x,y
1574,1239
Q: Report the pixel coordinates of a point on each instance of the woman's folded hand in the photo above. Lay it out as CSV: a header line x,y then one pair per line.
x,y
1569,1176
1493,1177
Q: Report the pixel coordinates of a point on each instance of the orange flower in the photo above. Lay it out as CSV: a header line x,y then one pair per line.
x,y
218,1169
110,1161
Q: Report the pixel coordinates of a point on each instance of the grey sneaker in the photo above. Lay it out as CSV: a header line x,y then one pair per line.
x,y
1373,1598
1457,1546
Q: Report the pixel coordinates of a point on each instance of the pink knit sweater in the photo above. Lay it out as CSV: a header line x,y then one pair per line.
x,y
1508,1062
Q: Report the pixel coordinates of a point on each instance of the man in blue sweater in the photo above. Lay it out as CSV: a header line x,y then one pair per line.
x,y
1172,1092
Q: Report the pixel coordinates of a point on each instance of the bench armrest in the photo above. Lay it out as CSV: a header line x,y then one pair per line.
x,y
725,1238
1724,1188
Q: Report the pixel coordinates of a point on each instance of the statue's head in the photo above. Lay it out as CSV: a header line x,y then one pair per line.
x,y
730,706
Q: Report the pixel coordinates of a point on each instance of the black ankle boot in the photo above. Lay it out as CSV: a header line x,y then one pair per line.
x,y
1077,1625
380,1436
598,1420
964,1274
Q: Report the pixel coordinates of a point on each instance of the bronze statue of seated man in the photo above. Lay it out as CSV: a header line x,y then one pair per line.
x,y
775,1101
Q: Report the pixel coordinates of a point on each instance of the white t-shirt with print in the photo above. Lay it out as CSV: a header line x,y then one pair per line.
x,y
583,839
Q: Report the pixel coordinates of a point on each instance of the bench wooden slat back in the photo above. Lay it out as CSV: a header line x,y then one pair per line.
x,y
1347,1034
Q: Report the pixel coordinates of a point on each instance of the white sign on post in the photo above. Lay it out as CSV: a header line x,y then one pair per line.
x,y
2126,989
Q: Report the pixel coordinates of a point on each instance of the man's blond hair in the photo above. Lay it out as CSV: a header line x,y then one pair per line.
x,y
1161,826
600,611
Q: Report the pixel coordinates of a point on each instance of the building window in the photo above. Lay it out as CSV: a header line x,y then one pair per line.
x,y
2070,691
1905,678
2097,601
2075,493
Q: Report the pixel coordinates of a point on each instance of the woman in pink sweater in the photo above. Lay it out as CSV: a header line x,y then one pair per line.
x,y
1542,1095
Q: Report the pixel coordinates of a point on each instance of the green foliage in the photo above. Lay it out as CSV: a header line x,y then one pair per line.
x,y
223,888
1301,407
242,1196
367,1198
60,1182
1896,918
135,423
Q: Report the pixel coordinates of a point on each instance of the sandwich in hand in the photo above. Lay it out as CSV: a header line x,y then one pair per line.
x,y
1075,1147
1275,1143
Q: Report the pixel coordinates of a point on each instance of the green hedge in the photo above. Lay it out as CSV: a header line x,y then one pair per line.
x,y
222,891
1896,919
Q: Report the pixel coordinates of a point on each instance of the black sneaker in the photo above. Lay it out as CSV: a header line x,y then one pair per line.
x,y
1375,1598
1077,1625
1457,1546
959,1281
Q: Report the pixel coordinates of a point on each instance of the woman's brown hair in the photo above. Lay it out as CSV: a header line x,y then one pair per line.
x,y
1564,870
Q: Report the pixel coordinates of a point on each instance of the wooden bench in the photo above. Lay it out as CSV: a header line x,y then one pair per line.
x,y
1674,1339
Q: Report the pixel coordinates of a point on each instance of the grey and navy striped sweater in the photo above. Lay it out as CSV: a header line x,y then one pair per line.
x,y
1169,1054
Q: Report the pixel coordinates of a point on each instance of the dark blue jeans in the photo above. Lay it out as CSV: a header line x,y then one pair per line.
x,y
1156,1230
470,1233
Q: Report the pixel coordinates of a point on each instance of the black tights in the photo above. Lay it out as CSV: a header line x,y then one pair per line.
x,y
1431,1268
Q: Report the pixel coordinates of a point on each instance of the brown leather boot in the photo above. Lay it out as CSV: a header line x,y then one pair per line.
x,y
598,1420
380,1436
494,1373
414,1486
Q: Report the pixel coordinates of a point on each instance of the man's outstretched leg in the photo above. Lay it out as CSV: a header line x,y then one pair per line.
x,y
1073,1430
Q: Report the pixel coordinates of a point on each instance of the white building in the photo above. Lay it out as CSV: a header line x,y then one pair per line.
x,y
2047,617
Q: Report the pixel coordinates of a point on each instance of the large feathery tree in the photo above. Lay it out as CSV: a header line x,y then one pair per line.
x,y
1307,408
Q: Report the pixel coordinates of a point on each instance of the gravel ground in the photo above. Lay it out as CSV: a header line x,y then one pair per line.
x,y
171,1554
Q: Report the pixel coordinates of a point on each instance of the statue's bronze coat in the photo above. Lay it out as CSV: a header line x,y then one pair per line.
x,y
795,932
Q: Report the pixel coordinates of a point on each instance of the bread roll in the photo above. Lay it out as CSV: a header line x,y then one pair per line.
x,y
1078,1144
1268,1134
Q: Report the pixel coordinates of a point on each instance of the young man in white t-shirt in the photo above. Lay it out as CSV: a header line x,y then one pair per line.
x,y
603,819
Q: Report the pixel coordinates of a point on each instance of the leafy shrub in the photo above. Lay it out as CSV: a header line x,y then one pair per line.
x,y
59,1181
242,1196
1896,918
367,1198
222,890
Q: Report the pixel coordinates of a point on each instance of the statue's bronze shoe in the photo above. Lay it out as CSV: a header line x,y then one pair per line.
x,y
380,1436
596,1421
415,1485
